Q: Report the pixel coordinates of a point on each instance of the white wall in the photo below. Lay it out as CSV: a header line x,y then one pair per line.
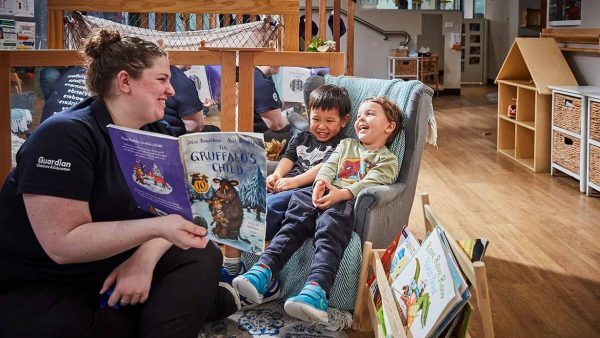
x,y
586,67
504,21
371,51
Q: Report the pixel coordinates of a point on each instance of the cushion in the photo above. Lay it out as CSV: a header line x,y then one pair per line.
x,y
294,273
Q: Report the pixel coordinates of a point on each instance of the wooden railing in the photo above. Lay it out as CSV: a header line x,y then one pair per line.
x,y
230,121
288,10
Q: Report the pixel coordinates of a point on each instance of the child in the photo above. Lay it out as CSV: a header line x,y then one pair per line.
x,y
325,211
329,109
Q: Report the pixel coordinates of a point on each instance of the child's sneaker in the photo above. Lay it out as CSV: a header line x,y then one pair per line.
x,y
272,294
310,305
254,284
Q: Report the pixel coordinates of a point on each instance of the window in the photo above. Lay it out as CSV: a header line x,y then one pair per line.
x,y
449,5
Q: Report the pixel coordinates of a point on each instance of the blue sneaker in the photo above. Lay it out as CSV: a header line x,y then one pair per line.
x,y
273,293
254,284
310,305
227,278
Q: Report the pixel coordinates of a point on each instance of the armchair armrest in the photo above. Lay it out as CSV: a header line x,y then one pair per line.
x,y
297,122
381,211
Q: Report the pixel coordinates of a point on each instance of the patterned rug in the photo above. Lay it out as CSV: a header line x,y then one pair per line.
x,y
270,320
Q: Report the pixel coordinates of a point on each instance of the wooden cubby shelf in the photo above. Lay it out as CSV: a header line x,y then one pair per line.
x,y
531,66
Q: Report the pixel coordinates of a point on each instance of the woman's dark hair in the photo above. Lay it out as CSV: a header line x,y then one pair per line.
x,y
329,97
393,113
106,53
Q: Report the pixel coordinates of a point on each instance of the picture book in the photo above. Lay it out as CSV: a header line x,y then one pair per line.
x,y
407,247
216,180
399,241
426,289
474,248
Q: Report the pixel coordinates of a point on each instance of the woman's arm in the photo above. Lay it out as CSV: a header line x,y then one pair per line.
x,y
67,234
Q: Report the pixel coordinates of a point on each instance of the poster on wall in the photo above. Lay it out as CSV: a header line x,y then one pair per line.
x,y
24,8
564,12
7,7
8,34
25,35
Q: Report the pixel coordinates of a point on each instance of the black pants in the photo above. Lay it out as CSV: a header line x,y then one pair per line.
x,y
330,229
182,299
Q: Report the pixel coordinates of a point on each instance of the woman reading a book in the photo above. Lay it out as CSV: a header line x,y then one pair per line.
x,y
77,257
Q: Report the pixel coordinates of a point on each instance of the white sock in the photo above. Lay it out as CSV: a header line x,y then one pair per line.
x,y
232,265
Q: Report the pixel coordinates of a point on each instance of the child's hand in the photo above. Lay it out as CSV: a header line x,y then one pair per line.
x,y
318,191
334,196
272,182
286,183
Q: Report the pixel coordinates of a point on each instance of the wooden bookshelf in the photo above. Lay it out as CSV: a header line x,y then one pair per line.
x,y
531,66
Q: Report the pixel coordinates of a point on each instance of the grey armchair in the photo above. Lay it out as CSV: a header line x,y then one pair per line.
x,y
380,211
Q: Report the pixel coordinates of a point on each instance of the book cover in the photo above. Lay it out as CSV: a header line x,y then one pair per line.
x,y
216,180
474,248
407,247
198,75
425,289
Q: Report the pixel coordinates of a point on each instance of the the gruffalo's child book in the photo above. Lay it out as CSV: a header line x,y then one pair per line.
x,y
216,180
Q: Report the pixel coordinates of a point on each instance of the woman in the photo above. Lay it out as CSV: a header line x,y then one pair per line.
x,y
70,230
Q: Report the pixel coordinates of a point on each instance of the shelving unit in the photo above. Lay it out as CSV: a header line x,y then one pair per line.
x,y
531,66
593,145
424,68
569,131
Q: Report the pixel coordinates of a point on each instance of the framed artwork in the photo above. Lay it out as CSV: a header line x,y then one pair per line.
x,y
564,12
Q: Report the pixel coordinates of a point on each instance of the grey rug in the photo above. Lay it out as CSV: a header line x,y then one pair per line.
x,y
270,320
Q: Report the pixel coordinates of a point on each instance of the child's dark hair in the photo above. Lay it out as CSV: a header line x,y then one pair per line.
x,y
329,97
106,53
393,113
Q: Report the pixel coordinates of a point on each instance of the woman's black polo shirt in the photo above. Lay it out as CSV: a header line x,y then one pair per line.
x,y
70,155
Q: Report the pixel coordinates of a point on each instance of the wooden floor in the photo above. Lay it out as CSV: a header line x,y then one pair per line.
x,y
543,261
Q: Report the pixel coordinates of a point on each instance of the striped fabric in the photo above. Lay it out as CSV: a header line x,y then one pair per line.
x,y
294,274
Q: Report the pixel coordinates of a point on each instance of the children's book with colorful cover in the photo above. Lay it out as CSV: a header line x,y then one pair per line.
x,y
406,249
425,289
216,180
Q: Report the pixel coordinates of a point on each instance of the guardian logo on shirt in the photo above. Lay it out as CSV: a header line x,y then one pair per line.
x,y
53,164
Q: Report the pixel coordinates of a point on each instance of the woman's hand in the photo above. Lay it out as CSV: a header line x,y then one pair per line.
x,y
132,281
334,196
272,182
183,233
286,183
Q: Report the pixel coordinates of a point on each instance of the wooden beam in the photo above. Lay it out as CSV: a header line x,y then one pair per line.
x,y
5,132
204,57
336,23
212,21
56,32
180,6
144,22
170,23
228,91
350,39
307,23
297,59
323,19
246,90
199,21
292,35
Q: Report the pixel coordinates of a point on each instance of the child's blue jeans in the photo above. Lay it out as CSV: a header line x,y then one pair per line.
x,y
330,230
277,205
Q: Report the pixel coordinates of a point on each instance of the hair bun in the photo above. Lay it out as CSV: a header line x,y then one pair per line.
x,y
100,42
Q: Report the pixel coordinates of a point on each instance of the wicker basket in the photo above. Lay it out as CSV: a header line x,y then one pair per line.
x,y
594,163
567,151
398,52
567,113
595,120
406,67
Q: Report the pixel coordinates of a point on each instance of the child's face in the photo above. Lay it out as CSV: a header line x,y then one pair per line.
x,y
326,124
372,126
